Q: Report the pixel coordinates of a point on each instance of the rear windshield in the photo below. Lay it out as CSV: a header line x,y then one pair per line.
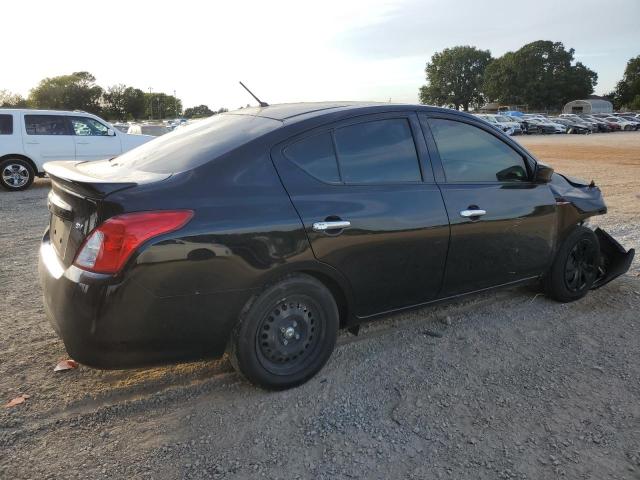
x,y
6,124
189,147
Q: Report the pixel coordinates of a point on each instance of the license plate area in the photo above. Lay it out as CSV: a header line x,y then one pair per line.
x,y
59,234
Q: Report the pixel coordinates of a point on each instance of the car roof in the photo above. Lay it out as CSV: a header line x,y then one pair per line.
x,y
33,111
291,112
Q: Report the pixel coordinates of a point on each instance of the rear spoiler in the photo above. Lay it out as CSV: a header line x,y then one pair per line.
x,y
97,179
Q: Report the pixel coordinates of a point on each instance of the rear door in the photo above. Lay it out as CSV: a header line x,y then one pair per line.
x,y
365,191
46,138
503,225
92,139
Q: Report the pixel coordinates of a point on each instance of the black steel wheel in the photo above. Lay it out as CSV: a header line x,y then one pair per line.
x,y
289,334
575,267
286,334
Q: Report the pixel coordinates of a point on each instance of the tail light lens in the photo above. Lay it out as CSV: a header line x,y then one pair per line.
x,y
110,245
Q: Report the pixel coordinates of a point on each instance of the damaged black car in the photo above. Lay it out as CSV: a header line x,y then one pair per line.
x,y
264,231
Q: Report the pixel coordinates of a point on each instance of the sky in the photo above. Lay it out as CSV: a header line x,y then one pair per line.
x,y
290,51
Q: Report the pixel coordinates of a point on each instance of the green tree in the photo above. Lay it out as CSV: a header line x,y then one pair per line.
x,y
77,91
627,92
12,100
541,74
200,111
161,105
124,103
455,77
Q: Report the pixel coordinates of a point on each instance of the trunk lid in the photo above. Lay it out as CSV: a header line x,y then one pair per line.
x,y
78,202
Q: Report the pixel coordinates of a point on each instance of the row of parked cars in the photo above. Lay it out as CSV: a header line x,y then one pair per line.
x,y
516,123
154,129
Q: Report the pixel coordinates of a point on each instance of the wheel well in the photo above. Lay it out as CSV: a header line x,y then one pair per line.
x,y
336,291
21,157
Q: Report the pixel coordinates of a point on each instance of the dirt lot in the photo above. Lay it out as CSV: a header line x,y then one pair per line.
x,y
516,386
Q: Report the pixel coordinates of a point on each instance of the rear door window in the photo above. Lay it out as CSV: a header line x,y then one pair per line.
x,y
380,151
470,154
316,156
6,124
46,125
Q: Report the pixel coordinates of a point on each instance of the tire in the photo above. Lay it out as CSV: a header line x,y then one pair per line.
x,y
286,334
575,267
16,174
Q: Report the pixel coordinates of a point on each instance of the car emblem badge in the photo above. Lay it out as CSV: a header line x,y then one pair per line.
x,y
78,226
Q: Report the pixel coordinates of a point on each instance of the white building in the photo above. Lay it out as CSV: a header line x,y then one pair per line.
x,y
588,106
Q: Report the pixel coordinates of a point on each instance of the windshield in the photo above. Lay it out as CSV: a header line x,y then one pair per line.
x,y
191,146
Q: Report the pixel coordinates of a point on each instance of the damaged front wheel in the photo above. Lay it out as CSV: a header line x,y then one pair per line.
x,y
575,267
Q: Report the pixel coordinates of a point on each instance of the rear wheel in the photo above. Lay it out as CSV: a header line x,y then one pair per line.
x,y
575,267
16,174
286,334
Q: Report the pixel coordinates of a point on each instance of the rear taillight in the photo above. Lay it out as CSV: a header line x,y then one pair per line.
x,y
110,245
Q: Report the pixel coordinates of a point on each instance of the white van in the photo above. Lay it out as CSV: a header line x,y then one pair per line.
x,y
29,138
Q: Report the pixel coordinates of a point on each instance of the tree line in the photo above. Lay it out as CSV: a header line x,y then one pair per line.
x,y
541,75
79,91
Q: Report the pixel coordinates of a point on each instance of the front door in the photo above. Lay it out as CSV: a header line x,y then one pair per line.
x,y
503,224
365,192
92,139
47,138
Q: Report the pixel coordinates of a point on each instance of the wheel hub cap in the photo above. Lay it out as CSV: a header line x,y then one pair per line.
x,y
15,175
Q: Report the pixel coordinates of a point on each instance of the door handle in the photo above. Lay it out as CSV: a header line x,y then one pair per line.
x,y
473,213
333,225
82,143
32,143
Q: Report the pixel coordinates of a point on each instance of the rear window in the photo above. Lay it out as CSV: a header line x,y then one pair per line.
x,y
189,147
46,125
315,156
6,124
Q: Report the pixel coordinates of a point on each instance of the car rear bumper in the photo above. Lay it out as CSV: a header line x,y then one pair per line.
x,y
106,322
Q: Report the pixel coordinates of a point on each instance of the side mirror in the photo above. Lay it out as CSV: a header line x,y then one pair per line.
x,y
543,173
111,133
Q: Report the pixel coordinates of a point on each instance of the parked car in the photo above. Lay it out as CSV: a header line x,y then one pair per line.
x,y
585,122
539,125
519,119
514,125
601,124
625,124
493,121
148,129
573,126
29,138
263,231
615,126
634,120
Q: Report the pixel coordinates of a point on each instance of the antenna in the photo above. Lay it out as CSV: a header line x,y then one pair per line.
x,y
262,104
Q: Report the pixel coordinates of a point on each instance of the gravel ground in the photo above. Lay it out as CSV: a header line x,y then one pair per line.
x,y
503,385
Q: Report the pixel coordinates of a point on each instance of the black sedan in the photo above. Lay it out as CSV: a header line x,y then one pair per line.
x,y
573,126
262,232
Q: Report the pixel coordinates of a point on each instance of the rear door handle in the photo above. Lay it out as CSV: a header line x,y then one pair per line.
x,y
473,213
32,143
82,143
334,225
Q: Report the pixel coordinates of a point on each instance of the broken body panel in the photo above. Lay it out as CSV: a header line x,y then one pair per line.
x,y
578,200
